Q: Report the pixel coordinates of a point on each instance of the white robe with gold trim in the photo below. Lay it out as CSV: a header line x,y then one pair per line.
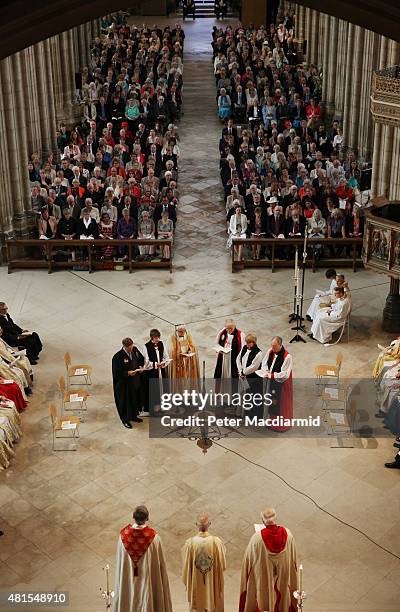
x,y
203,572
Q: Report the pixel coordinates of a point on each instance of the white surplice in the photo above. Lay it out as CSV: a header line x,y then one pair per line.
x,y
149,590
320,299
328,320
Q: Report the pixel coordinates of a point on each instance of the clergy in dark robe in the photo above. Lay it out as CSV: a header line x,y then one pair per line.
x,y
248,362
269,569
277,366
15,336
156,360
127,367
231,340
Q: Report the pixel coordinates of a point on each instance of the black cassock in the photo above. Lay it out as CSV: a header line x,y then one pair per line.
x,y
127,389
11,331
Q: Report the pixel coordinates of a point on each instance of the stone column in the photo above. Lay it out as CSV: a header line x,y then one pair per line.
x,y
313,55
365,136
300,22
307,32
329,83
391,312
33,127
354,77
341,63
14,211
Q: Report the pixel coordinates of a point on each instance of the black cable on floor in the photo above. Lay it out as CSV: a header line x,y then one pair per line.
x,y
118,297
389,552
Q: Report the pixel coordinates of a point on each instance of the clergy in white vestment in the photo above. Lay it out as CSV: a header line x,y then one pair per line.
x,y
269,569
328,320
228,344
326,298
203,569
141,579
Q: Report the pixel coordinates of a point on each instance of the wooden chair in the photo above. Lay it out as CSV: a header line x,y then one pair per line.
x,y
72,400
342,422
68,425
342,330
335,398
77,372
329,373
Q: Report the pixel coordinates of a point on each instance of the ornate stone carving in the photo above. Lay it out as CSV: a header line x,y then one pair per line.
x,y
385,98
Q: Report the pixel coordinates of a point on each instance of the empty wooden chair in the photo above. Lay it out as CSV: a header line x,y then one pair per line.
x,y
342,422
72,400
63,427
77,374
329,374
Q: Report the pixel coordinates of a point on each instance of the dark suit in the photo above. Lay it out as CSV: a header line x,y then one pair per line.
x,y
127,389
91,230
12,335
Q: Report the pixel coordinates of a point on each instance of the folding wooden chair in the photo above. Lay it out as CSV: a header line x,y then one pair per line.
x,y
345,324
76,372
72,400
342,422
336,397
68,425
329,374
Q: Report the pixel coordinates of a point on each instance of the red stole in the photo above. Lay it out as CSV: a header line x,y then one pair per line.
x,y
136,542
274,538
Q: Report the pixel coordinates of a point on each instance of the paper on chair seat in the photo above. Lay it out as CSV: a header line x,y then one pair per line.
x,y
68,425
80,371
331,373
222,349
338,417
75,397
334,393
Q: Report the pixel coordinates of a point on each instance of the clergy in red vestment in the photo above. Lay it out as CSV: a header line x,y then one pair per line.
x,y
269,569
11,391
141,580
277,368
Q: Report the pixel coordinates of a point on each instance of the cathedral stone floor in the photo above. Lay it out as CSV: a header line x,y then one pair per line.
x,y
62,512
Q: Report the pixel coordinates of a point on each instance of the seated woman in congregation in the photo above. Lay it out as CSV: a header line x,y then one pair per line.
x,y
126,229
224,105
146,231
106,231
258,229
336,229
165,229
316,228
47,226
237,229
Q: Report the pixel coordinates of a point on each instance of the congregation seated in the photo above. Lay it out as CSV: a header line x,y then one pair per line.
x,y
285,151
124,155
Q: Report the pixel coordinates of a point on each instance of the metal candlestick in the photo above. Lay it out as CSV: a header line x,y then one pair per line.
x,y
300,596
106,594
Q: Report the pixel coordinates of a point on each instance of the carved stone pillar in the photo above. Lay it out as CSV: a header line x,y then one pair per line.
x,y
391,312
354,79
329,65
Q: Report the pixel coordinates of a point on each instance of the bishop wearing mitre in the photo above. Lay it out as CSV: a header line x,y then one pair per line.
x,y
141,580
185,361
203,569
269,569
